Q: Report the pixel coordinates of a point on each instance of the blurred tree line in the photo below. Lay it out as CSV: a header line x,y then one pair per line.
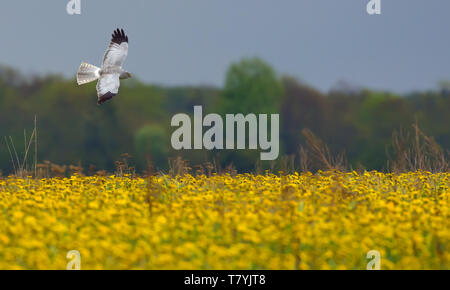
x,y
72,129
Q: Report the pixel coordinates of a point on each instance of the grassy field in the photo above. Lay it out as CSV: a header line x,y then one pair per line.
x,y
328,220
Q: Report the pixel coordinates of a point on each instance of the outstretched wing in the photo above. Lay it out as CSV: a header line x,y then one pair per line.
x,y
117,51
107,87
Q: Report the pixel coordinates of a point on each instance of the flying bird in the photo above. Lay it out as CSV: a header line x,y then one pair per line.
x,y
111,72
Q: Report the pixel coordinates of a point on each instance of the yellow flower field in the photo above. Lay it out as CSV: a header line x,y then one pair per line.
x,y
327,220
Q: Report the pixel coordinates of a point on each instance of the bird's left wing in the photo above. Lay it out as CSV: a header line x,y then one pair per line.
x,y
107,87
117,51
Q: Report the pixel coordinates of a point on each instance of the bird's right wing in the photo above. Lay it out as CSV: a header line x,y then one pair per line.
x,y
117,50
107,87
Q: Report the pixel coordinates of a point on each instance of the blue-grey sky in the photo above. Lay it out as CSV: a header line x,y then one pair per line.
x,y
193,42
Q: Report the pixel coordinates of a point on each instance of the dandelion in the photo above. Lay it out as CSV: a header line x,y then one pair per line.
x,y
328,220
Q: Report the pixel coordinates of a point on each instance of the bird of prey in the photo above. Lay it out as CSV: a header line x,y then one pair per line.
x,y
111,72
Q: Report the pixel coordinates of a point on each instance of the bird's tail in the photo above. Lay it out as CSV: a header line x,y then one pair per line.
x,y
87,73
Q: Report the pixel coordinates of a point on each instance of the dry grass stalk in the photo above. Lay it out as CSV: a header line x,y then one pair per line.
x,y
322,154
20,167
418,152
123,166
178,167
303,159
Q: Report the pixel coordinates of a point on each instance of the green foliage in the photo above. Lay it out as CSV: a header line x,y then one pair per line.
x,y
302,107
251,86
73,129
152,146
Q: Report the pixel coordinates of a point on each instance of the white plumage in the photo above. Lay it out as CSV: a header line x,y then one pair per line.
x,y
108,83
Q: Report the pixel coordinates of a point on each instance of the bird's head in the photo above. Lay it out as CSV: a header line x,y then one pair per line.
x,y
125,75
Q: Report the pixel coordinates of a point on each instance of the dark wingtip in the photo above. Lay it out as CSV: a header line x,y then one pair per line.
x,y
119,36
105,97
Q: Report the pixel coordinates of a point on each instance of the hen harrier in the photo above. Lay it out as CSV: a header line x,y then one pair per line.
x,y
111,72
